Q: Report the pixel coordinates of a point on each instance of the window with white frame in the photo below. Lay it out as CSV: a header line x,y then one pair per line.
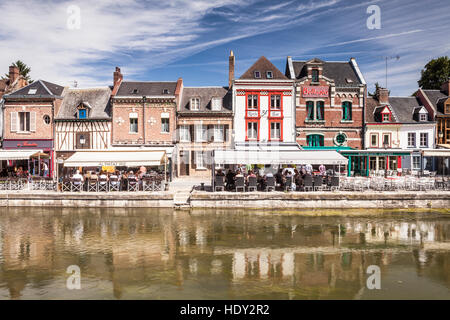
x,y
185,135
275,131
252,101
423,117
201,133
416,162
269,75
219,132
423,139
24,122
386,117
133,122
165,125
275,102
200,160
195,103
216,104
252,130
386,140
411,139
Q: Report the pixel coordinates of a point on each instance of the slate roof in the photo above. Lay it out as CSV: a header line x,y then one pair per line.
x,y
205,94
337,71
437,98
98,101
404,109
38,89
148,89
263,65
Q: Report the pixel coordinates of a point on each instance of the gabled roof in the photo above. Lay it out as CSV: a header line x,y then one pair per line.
x,y
263,65
205,94
97,99
148,89
436,98
404,109
340,71
38,89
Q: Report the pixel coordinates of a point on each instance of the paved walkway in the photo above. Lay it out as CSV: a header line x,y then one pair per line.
x,y
182,187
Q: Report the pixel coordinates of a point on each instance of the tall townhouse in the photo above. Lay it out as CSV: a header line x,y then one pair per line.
x,y
437,103
329,100
264,110
398,129
29,119
83,122
205,120
144,114
13,83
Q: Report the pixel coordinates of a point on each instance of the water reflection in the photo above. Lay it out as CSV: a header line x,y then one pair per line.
x,y
161,254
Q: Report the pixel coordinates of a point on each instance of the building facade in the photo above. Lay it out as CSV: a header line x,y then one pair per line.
x,y
29,119
329,100
263,107
144,113
83,122
437,103
205,120
395,125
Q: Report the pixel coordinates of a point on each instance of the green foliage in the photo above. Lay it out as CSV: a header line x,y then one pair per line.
x,y
435,73
24,71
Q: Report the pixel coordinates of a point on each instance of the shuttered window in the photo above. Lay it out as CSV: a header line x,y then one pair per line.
x,y
14,121
32,121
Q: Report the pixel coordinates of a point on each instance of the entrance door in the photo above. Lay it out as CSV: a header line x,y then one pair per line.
x,y
184,163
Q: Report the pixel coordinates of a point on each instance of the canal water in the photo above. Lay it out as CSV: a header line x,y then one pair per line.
x,y
223,254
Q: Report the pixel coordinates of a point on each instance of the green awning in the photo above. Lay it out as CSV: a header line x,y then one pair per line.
x,y
326,148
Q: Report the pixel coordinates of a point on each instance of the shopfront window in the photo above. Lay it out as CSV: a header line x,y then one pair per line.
x,y
416,162
382,163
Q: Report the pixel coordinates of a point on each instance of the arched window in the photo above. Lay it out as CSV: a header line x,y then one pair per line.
x,y
315,140
346,110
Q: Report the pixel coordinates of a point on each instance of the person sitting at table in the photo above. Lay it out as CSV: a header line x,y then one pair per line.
x,y
322,170
93,176
78,176
220,173
230,180
251,174
309,169
279,177
103,176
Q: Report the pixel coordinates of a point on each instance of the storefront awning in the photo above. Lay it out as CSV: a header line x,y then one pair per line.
x,y
437,153
19,154
116,158
222,157
376,152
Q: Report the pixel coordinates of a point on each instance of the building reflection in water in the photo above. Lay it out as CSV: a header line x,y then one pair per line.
x,y
164,254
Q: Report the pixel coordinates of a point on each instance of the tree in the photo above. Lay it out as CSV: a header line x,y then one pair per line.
x,y
377,86
435,73
24,71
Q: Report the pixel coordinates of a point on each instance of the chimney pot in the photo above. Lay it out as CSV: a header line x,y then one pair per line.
x,y
446,87
13,74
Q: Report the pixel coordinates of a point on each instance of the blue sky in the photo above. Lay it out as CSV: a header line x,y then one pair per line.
x,y
165,40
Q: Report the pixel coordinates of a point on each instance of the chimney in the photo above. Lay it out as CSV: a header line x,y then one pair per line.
x,y
231,69
118,77
446,87
13,74
179,92
382,95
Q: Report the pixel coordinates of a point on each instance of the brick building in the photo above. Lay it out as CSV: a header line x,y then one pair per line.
x,y
205,120
329,99
437,103
29,119
144,113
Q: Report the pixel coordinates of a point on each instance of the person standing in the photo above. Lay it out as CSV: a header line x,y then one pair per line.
x,y
45,166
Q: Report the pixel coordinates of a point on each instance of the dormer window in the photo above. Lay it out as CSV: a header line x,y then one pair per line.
x,y
257,75
447,108
348,80
32,91
82,114
423,117
135,91
195,104
216,104
315,75
386,117
269,74
166,91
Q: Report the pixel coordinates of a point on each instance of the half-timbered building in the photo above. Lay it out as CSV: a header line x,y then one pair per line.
x,y
83,122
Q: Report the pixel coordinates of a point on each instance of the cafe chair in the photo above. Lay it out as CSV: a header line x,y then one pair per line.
x,y
93,185
308,183
103,185
318,183
240,184
288,184
270,184
334,184
252,184
114,184
219,183
76,185
133,185
148,184
66,185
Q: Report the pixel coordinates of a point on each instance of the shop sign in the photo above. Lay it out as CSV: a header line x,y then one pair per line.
x,y
315,91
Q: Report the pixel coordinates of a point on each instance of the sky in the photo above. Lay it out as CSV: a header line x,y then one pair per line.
x,y
84,40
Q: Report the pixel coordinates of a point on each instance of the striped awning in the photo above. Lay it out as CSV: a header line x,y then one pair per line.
x,y
19,154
